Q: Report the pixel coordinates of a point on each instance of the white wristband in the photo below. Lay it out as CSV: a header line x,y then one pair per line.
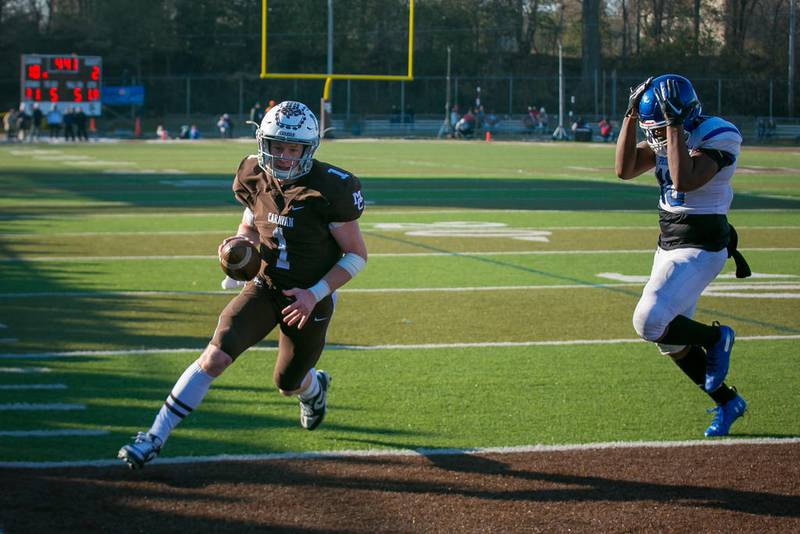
x,y
320,290
352,263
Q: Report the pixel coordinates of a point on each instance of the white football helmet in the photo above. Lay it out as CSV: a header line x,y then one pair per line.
x,y
288,122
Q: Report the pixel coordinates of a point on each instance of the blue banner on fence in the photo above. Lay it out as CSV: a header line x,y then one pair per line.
x,y
123,95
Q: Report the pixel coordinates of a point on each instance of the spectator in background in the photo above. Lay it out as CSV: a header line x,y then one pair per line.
x,y
36,121
606,129
161,132
194,133
455,116
10,125
69,125
490,121
465,127
80,124
256,114
544,119
225,127
54,120
23,124
480,113
531,120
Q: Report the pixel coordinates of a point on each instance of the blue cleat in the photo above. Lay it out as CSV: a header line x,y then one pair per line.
x,y
718,359
725,416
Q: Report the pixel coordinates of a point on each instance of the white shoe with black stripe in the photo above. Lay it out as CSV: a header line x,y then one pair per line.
x,y
312,411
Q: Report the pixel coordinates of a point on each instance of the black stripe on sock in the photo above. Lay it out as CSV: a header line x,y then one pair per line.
x,y
179,403
171,408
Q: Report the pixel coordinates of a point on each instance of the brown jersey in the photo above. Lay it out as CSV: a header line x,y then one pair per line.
x,y
292,219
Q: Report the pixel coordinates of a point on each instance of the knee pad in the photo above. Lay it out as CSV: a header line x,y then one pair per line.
x,y
650,322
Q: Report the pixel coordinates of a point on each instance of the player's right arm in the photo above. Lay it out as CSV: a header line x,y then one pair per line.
x,y
631,159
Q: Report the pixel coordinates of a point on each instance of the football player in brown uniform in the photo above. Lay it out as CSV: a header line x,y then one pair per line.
x,y
302,214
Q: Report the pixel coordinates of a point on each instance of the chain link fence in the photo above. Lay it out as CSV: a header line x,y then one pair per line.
x,y
176,101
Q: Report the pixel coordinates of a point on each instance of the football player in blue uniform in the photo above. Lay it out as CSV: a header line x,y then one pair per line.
x,y
694,158
302,215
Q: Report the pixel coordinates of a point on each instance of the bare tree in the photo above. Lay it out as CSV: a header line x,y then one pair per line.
x,y
736,23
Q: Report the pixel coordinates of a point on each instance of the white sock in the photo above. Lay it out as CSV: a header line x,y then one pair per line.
x,y
312,389
186,395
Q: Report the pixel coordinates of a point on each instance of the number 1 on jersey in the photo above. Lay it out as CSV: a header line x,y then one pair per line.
x,y
283,254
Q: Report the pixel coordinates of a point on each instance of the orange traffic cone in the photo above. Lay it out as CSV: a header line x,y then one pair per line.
x,y
137,127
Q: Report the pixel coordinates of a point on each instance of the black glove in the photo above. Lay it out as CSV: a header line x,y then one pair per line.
x,y
673,108
636,96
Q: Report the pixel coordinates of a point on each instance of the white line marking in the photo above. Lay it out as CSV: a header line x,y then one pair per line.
x,y
345,290
29,406
84,259
364,226
752,295
88,294
419,346
50,433
110,234
729,276
33,386
393,453
24,370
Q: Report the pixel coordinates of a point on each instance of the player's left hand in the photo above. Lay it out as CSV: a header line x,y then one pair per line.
x,y
300,310
672,106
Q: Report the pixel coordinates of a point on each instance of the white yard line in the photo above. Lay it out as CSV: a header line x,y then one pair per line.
x,y
465,289
24,370
417,346
84,259
51,433
364,226
344,290
32,386
393,453
32,406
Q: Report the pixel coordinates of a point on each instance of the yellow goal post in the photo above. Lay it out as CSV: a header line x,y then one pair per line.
x,y
332,76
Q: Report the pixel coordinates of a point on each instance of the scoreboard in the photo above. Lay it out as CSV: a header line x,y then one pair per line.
x,y
66,81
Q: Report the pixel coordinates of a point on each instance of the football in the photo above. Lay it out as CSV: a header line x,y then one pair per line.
x,y
240,260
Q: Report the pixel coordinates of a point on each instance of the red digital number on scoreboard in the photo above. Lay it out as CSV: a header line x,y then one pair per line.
x,y
66,63
34,72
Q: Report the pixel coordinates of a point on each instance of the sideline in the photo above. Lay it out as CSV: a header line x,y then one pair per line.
x,y
420,346
389,453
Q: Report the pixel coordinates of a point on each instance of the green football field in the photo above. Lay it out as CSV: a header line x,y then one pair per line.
x,y
495,309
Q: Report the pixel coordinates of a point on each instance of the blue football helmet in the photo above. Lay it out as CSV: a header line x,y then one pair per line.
x,y
652,119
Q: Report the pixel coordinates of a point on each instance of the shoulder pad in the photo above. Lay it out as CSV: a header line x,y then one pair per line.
x,y
716,133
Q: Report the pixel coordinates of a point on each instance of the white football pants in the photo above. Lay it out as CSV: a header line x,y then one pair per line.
x,y
678,278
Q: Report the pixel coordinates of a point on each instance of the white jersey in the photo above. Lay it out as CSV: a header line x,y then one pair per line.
x,y
713,133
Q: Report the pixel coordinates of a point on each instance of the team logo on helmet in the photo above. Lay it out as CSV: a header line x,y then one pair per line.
x,y
291,116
